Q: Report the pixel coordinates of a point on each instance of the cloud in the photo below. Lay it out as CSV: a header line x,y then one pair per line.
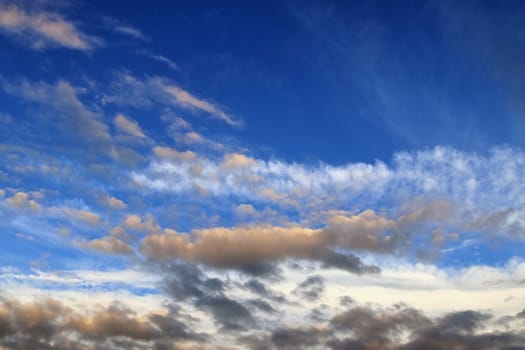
x,y
114,202
107,245
230,314
129,90
50,324
70,116
42,29
242,246
128,126
395,328
246,247
135,222
311,288
295,338
233,161
459,184
244,210
22,201
170,153
262,291
82,215
188,282
124,29
251,245
159,58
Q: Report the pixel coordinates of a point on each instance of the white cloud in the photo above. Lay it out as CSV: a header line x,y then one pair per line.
x,y
42,29
487,183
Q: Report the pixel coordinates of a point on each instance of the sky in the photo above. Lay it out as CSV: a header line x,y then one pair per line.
x,y
262,175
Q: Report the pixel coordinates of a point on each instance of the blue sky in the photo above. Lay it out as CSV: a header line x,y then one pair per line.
x,y
262,175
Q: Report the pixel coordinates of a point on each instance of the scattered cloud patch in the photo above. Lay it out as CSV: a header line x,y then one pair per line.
x,y
44,29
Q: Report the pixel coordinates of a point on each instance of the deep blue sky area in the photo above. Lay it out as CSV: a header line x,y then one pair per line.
x,y
333,81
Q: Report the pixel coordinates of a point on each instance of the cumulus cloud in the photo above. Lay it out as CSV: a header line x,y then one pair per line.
x,y
50,324
249,246
44,29
332,245
22,201
240,246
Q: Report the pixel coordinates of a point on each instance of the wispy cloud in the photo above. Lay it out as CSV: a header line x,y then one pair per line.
x,y
71,116
124,29
129,90
160,58
128,126
43,29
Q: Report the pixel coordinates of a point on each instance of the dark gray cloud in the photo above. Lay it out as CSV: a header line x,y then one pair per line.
x,y
188,282
346,301
396,328
311,289
261,270
262,305
299,338
260,289
347,261
230,314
